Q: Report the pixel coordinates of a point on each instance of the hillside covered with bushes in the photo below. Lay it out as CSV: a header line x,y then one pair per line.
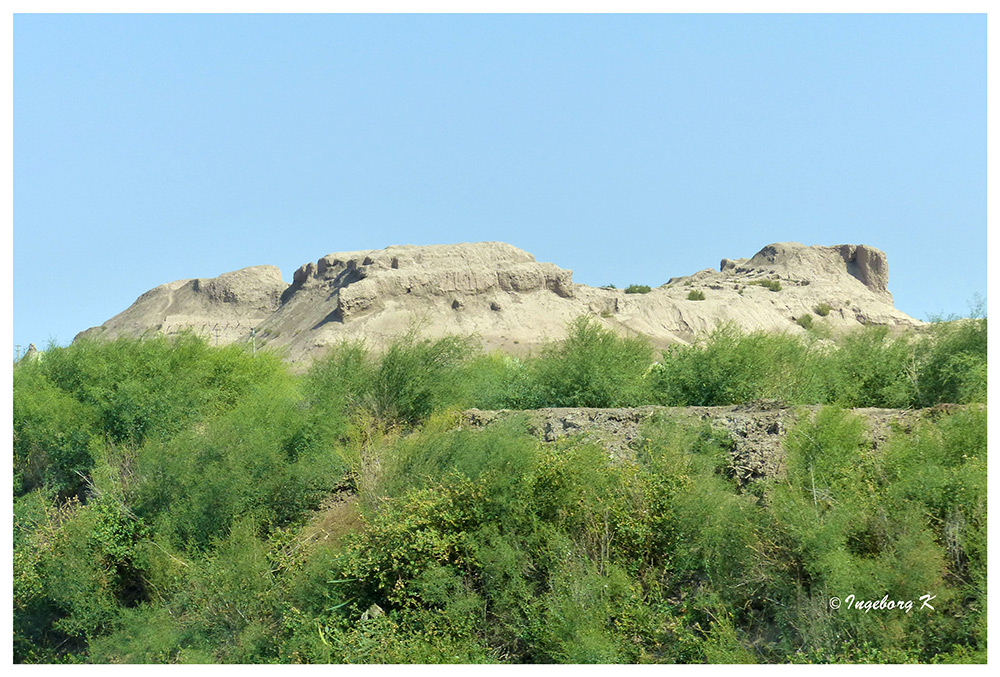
x,y
177,502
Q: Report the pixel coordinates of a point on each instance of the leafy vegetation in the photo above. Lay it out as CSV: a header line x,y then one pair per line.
x,y
822,309
637,289
593,367
773,285
696,295
867,368
175,502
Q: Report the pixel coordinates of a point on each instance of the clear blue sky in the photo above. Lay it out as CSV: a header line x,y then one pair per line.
x,y
149,148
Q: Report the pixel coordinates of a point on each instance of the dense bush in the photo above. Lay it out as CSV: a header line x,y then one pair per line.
x,y
731,367
593,367
175,502
234,467
953,361
560,554
498,381
52,435
408,381
871,369
154,388
637,289
124,391
864,368
851,521
122,444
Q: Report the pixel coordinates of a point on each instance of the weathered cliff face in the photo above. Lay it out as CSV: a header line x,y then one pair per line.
x,y
510,301
342,288
798,263
223,308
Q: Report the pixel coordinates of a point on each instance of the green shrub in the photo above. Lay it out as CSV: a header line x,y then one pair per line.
x,y
405,383
953,363
237,466
502,452
637,289
498,381
870,369
805,321
823,309
593,367
156,387
941,467
337,382
125,391
490,520
773,285
696,295
225,611
576,617
731,366
413,377
73,563
857,522
145,532
52,435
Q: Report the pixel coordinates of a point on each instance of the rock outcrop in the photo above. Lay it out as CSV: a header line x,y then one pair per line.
x,y
510,301
792,260
223,308
32,354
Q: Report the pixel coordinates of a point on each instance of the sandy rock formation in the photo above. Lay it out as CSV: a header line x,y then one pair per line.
x,y
222,308
32,354
793,260
510,301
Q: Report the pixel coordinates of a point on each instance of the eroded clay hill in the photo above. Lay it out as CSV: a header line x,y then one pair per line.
x,y
510,301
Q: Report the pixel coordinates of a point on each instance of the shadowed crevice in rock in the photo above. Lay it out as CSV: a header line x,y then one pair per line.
x,y
868,265
335,316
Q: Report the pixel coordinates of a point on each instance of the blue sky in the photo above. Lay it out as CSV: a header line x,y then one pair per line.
x,y
630,149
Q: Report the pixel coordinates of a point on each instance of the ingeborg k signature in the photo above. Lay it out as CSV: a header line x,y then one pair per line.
x,y
851,602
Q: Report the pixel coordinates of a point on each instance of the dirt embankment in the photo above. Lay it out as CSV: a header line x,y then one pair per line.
x,y
757,429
